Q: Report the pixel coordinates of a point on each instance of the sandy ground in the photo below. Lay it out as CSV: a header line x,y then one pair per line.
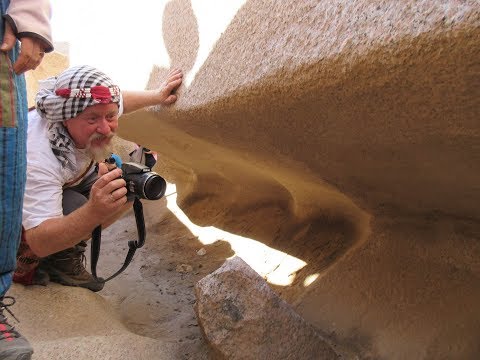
x,y
155,295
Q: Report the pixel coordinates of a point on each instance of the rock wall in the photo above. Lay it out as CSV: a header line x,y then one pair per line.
x,y
52,65
346,134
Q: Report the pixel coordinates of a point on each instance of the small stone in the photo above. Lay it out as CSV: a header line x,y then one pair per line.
x,y
184,268
201,252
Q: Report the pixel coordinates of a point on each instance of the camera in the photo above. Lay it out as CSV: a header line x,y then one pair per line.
x,y
142,182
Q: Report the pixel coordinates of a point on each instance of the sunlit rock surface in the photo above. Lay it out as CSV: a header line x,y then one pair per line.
x,y
345,134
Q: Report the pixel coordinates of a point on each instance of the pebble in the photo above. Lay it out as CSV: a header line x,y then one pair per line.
x,y
184,268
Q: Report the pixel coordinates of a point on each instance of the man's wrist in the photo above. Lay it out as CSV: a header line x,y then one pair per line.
x,y
91,215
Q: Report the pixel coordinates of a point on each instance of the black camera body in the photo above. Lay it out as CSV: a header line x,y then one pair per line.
x,y
142,182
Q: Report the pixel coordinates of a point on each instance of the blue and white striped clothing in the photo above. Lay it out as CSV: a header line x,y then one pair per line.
x,y
13,132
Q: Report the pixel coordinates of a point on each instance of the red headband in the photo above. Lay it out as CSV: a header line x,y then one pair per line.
x,y
102,94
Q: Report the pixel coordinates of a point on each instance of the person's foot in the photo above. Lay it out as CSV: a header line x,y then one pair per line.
x,y
13,346
67,268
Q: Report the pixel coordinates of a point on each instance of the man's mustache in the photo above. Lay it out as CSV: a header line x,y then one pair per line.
x,y
97,136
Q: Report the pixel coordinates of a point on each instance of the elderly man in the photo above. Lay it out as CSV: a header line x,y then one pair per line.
x,y
65,198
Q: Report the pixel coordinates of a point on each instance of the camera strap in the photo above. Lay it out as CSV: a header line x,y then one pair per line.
x,y
133,245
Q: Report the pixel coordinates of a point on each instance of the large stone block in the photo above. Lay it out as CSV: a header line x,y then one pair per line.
x,y
242,318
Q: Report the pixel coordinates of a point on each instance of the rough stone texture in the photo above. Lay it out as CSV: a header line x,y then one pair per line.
x,y
242,318
350,130
369,89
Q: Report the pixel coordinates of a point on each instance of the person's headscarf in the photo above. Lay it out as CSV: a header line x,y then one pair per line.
x,y
65,97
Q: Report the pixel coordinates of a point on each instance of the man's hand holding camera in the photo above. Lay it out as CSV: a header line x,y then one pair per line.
x,y
108,193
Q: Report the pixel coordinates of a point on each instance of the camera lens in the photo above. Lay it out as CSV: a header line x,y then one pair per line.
x,y
154,187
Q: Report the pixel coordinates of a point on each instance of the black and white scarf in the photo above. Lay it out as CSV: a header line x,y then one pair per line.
x,y
65,97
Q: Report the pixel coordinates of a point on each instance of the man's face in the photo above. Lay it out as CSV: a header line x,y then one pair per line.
x,y
94,127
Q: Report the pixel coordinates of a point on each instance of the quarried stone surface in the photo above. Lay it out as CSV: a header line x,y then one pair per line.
x,y
242,318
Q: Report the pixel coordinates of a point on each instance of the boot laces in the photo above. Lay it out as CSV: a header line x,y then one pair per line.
x,y
79,260
7,330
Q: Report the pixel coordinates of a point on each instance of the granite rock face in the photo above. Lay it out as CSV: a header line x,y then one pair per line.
x,y
345,134
242,318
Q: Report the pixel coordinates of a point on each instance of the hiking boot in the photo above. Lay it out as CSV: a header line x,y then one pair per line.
x,y
67,267
13,346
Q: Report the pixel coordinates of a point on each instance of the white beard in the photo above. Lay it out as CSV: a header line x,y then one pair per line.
x,y
99,154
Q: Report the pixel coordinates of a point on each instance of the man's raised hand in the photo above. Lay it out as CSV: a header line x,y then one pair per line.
x,y
167,90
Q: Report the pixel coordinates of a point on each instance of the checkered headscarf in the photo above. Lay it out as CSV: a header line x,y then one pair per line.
x,y
73,91
65,97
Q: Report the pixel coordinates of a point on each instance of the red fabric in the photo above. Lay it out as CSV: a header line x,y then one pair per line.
x,y
25,278
27,263
101,93
63,92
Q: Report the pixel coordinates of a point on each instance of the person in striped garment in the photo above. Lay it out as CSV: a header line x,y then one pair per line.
x,y
26,22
